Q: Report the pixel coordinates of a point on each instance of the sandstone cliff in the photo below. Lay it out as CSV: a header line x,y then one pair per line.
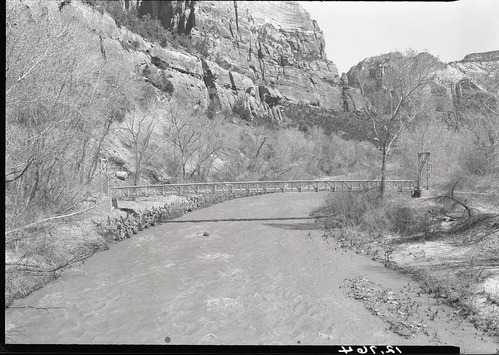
x,y
259,55
260,52
476,73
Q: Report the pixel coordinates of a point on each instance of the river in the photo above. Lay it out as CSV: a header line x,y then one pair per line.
x,y
257,281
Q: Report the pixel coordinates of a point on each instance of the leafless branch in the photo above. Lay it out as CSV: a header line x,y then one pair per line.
x,y
49,219
38,269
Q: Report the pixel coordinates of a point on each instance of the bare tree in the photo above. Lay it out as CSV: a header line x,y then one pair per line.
x,y
284,154
479,114
253,143
54,88
394,92
182,131
213,145
137,131
196,141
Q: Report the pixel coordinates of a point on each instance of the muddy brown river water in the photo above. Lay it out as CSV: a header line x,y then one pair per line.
x,y
259,281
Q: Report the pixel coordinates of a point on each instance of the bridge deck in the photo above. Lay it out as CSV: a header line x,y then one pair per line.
x,y
252,187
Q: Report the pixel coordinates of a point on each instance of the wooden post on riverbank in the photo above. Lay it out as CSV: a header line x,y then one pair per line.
x,y
423,162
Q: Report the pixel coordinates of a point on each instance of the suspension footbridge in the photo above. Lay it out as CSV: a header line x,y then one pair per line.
x,y
258,187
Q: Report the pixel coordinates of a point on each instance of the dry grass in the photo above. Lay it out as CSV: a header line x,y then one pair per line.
x,y
37,255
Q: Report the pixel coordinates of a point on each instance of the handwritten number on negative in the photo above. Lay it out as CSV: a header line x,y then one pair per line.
x,y
389,350
361,350
346,351
364,350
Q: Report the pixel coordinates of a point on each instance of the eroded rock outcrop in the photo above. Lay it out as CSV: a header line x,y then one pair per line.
x,y
275,44
492,56
260,52
476,73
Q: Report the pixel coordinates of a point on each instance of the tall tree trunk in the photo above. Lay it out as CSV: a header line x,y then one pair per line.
x,y
137,166
95,159
81,164
252,165
383,173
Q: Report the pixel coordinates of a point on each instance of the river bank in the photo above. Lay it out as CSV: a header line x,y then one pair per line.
x,y
259,281
455,261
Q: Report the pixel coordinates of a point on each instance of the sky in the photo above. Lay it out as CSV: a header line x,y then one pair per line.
x,y
355,30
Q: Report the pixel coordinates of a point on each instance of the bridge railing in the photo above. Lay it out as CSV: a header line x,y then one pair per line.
x,y
252,187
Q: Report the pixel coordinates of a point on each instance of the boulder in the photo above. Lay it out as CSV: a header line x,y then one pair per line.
x,y
121,175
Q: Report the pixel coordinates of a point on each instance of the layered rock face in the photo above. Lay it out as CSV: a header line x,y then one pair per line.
x,y
263,53
476,73
492,56
259,55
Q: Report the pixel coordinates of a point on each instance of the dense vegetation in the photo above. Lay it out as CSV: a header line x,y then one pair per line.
x,y
144,25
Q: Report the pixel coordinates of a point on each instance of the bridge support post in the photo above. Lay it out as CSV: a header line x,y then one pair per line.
x,y
423,163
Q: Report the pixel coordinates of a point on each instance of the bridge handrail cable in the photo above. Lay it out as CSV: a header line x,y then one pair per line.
x,y
255,182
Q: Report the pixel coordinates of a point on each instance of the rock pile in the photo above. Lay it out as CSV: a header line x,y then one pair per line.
x,y
122,227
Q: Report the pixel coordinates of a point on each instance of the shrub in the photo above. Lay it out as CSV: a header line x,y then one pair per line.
x,y
365,210
135,45
165,85
161,82
349,124
211,111
475,162
241,110
348,209
405,220
145,26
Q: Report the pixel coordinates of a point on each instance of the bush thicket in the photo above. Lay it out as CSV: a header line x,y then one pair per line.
x,y
240,109
366,211
349,125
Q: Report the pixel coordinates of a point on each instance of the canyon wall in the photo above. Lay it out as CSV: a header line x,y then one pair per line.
x,y
477,73
261,53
